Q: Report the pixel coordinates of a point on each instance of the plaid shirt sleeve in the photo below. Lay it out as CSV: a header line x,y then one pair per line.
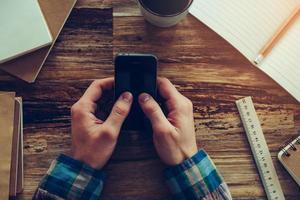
x,y
70,179
196,178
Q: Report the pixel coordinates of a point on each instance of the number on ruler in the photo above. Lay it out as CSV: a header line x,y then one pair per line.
x,y
260,149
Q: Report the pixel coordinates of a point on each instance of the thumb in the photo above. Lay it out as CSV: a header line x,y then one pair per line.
x,y
120,111
152,110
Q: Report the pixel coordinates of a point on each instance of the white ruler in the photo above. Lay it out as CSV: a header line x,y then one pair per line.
x,y
260,149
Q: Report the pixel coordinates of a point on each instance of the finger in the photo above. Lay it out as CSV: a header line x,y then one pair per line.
x,y
87,106
120,111
152,110
95,90
173,98
167,90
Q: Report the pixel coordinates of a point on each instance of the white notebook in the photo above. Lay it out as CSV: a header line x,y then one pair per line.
x,y
23,28
249,24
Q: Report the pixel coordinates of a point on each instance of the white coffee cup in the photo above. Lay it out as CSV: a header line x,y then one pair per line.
x,y
162,20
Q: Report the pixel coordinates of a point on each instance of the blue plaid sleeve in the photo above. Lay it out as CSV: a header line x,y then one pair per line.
x,y
196,178
70,179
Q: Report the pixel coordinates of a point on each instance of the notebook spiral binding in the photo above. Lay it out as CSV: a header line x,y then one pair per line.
x,y
290,145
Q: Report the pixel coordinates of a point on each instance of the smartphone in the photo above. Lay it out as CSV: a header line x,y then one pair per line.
x,y
136,73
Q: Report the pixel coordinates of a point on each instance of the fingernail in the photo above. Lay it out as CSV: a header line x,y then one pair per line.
x,y
127,96
144,97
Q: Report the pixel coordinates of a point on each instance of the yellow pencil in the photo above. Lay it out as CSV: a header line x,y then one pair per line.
x,y
277,36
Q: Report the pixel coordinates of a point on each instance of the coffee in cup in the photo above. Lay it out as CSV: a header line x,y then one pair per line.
x,y
164,13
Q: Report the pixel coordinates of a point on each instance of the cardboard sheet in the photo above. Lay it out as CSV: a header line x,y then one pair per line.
x,y
7,109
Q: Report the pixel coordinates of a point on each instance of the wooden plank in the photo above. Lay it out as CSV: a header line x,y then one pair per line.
x,y
83,48
203,66
83,52
210,72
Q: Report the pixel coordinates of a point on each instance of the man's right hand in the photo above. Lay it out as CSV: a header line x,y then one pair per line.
x,y
174,135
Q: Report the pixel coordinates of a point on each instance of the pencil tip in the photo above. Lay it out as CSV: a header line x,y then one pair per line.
x,y
258,59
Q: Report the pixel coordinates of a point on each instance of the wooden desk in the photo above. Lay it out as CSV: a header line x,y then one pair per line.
x,y
203,66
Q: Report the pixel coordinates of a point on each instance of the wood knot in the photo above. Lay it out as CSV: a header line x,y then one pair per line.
x,y
35,145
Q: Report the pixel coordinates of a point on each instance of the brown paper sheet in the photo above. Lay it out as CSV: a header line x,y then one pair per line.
x,y
7,109
28,66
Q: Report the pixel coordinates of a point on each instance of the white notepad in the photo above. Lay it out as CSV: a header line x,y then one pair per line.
x,y
23,28
249,24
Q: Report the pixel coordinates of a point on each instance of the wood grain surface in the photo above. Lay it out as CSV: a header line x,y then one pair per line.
x,y
202,65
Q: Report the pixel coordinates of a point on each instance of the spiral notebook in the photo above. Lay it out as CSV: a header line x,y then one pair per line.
x,y
289,156
248,26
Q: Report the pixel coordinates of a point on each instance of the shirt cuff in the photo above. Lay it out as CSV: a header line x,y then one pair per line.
x,y
196,178
72,179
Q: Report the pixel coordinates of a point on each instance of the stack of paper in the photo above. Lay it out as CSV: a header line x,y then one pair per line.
x,y
248,25
11,143
29,65
23,28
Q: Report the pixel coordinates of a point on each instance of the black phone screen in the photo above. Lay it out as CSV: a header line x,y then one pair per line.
x,y
136,73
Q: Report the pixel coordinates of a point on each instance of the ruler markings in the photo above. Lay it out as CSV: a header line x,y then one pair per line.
x,y
260,149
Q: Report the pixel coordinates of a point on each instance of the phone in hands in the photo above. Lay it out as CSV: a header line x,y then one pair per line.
x,y
136,73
